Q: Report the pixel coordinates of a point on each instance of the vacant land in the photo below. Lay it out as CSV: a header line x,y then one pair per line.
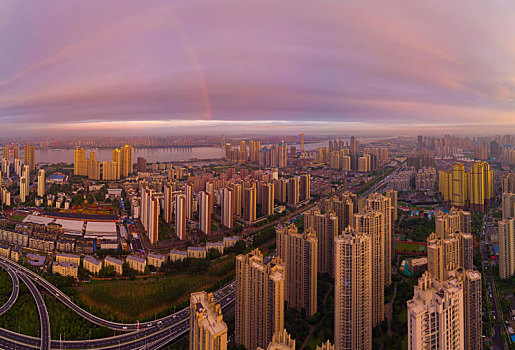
x,y
410,247
141,299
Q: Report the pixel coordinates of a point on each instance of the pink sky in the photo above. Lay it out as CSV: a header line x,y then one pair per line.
x,y
165,67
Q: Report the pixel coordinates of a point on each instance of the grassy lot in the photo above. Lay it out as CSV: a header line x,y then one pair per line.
x,y
17,217
141,299
410,247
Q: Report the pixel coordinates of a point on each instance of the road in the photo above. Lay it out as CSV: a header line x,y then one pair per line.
x,y
171,327
497,342
44,321
16,289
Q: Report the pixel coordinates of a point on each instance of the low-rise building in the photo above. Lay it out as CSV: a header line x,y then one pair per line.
x,y
36,260
197,252
230,241
137,263
68,258
417,266
116,263
156,259
91,264
65,269
176,255
16,254
5,251
215,245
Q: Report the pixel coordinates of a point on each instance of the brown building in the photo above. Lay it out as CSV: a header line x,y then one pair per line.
x,y
259,300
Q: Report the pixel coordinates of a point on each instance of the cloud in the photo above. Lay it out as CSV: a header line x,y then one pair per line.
x,y
373,63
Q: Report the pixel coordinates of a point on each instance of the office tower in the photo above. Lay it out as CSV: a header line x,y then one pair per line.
x,y
508,205
299,253
188,191
353,291
282,159
18,166
237,196
205,212
93,166
259,305
208,331
506,232
392,194
180,216
293,191
326,228
30,157
168,203
371,223
41,182
281,341
5,154
354,145
80,164
472,305
249,203
267,205
142,164
435,315
153,219
305,187
383,205
6,167
23,189
227,207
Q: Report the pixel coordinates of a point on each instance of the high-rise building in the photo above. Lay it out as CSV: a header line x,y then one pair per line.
x,y
282,159
26,175
6,152
168,203
305,187
326,228
392,194
227,207
259,305
153,219
473,188
93,167
267,205
281,341
30,157
237,196
208,331
326,346
18,166
180,216
353,291
435,315
383,205
508,205
188,191
142,164
80,166
299,253
205,212
293,191
371,223
249,203
506,233
23,189
41,182
6,167
472,305
508,182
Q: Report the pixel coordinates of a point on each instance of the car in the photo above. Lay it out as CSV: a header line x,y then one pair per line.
x,y
149,325
124,327
159,322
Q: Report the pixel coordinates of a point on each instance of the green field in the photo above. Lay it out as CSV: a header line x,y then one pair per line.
x,y
410,247
141,299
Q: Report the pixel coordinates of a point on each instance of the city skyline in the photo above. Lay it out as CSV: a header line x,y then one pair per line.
x,y
155,68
